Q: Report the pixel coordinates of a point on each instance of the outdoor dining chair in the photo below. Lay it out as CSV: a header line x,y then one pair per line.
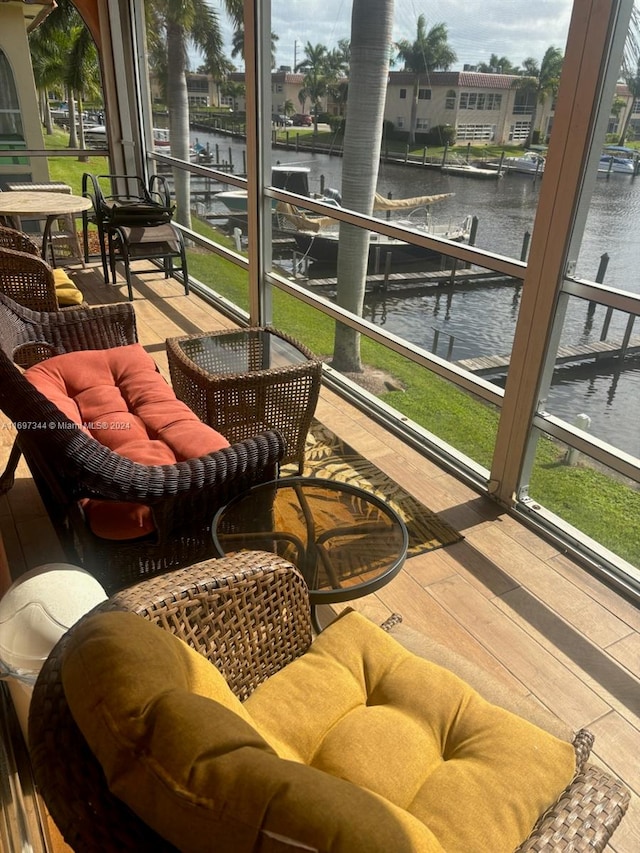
x,y
133,222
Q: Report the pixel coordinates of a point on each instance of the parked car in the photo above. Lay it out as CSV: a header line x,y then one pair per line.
x,y
302,120
281,120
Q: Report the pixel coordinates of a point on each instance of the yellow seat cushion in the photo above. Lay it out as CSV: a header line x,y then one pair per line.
x,y
66,291
356,747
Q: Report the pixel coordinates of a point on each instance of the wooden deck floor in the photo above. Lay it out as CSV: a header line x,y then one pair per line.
x,y
503,597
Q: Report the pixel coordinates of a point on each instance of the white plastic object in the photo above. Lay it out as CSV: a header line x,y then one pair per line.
x,y
37,610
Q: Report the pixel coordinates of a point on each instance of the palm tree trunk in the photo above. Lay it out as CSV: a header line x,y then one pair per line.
x,y
73,131
529,140
45,110
81,142
371,31
178,104
414,112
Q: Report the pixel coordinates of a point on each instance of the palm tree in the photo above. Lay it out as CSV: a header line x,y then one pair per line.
x,y
173,25
430,51
48,63
540,82
237,45
63,53
371,40
320,72
498,64
633,85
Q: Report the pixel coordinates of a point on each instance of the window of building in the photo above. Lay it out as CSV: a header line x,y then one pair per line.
x,y
10,118
519,131
450,100
467,132
524,102
403,94
424,94
422,124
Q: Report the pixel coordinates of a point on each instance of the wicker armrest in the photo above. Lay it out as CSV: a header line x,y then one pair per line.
x,y
81,328
583,818
87,328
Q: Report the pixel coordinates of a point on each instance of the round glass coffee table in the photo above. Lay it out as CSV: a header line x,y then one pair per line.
x,y
346,542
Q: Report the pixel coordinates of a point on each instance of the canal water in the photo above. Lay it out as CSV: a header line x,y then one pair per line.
x,y
471,323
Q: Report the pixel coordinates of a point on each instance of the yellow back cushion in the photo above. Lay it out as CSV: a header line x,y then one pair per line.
x,y
66,291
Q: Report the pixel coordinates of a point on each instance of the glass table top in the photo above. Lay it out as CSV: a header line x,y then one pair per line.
x,y
241,351
345,541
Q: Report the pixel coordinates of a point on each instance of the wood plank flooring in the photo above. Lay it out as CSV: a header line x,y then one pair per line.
x,y
503,597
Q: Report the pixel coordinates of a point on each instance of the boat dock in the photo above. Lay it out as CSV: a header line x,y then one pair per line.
x,y
492,365
421,281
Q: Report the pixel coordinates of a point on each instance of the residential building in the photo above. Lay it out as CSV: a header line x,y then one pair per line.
x,y
481,107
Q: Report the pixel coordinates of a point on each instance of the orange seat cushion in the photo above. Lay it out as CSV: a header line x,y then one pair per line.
x,y
118,397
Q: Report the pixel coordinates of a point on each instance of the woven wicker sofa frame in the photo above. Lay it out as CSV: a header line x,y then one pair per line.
x,y
249,615
68,465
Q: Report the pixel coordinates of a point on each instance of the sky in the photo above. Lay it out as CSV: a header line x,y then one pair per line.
x,y
516,29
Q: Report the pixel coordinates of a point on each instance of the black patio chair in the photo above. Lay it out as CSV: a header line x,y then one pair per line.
x,y
133,222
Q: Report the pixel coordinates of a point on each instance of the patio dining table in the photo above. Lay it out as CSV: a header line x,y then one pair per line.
x,y
41,205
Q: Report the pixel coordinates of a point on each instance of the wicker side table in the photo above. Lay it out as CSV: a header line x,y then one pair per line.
x,y
244,381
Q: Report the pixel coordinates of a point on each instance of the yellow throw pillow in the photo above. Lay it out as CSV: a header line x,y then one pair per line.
x,y
66,291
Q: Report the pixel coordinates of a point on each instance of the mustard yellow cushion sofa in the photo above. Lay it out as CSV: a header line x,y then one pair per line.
x,y
357,746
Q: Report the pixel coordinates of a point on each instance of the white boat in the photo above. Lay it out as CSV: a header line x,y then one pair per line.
x,y
293,178
96,137
467,170
318,236
529,163
613,163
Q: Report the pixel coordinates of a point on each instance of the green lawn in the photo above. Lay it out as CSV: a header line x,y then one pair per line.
x,y
601,506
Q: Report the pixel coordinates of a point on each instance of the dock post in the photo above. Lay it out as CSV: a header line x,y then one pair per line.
x,y
387,270
468,151
525,246
472,238
624,346
406,153
454,266
436,338
424,155
602,268
444,155
450,347
322,184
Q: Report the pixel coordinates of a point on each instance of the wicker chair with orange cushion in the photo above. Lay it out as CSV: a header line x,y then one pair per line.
x,y
130,477
231,730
